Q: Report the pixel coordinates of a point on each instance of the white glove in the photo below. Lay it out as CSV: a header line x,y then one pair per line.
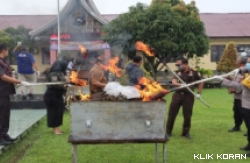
x,y
218,77
234,72
24,83
198,95
19,44
38,73
182,85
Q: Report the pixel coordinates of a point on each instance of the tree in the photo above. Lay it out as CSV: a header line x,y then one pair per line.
x,y
173,30
228,59
4,37
19,34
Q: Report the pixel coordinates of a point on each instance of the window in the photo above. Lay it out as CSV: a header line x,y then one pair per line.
x,y
45,56
243,50
216,52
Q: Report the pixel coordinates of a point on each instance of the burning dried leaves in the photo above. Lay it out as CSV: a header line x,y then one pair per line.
x,y
150,90
101,96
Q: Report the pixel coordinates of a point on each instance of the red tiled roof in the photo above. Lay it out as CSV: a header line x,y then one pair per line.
x,y
28,21
227,25
216,25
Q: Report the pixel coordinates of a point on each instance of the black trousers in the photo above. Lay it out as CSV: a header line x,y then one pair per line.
x,y
246,118
237,113
54,102
4,116
187,102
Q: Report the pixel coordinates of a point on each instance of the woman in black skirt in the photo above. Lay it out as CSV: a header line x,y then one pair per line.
x,y
53,97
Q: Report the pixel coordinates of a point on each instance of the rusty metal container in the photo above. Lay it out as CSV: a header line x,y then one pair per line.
x,y
105,122
117,122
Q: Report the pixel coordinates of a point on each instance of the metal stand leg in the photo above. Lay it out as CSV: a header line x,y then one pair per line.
x,y
164,153
156,152
74,153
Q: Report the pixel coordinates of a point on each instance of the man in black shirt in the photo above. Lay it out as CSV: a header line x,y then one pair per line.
x,y
6,88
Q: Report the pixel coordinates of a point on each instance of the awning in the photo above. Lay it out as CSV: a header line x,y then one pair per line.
x,y
94,45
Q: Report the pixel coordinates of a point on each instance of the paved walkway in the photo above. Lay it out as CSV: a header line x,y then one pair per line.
x,y
22,120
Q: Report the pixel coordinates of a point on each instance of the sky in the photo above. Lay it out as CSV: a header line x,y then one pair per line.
x,y
47,7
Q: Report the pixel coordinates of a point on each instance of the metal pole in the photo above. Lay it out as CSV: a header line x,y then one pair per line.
x,y
74,153
58,32
164,153
156,152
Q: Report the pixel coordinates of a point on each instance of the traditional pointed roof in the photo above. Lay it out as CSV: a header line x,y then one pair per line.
x,y
88,5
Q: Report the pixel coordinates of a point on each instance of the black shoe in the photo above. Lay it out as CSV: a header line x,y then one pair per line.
x,y
24,97
188,136
248,155
11,139
4,142
246,148
8,138
245,134
235,129
31,96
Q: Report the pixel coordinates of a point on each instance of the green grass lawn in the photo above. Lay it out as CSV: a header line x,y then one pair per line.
x,y
209,131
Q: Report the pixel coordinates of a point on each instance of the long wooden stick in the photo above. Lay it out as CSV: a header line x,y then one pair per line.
x,y
201,81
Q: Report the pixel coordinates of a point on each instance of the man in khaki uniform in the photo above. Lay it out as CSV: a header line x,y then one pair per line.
x,y
97,79
183,97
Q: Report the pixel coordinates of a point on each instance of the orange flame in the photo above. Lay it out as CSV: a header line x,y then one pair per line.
x,y
82,49
145,48
152,90
75,80
84,97
112,67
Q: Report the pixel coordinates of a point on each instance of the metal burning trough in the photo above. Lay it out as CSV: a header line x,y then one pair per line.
x,y
101,122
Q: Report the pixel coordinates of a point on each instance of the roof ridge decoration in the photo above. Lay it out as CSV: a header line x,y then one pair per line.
x,y
66,10
93,7
92,10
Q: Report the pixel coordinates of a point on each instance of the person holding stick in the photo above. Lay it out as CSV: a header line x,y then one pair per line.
x,y
243,87
183,97
7,88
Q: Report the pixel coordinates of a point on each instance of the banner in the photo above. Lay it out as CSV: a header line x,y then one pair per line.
x,y
95,45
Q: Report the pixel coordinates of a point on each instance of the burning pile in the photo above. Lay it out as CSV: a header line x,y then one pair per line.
x,y
147,90
150,90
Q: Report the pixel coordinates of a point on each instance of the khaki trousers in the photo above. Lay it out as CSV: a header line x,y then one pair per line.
x,y
31,78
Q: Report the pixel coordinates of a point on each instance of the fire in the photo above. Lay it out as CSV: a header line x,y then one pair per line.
x,y
84,97
112,67
145,48
75,80
151,90
82,49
